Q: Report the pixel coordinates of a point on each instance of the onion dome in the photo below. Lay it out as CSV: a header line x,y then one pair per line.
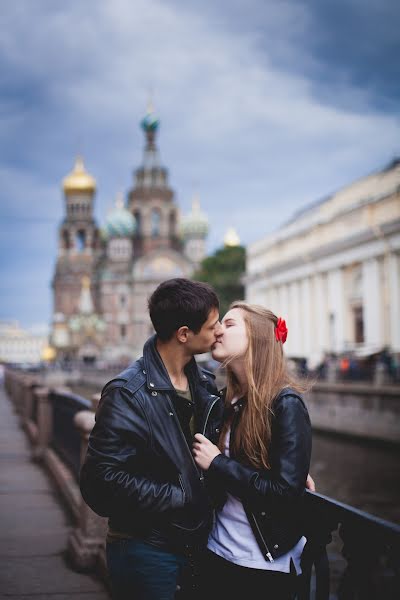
x,y
195,224
79,180
120,222
231,238
150,122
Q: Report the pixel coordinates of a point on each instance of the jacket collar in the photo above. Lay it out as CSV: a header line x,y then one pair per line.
x,y
157,375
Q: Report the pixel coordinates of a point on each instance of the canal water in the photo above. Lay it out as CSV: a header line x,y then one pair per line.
x,y
365,475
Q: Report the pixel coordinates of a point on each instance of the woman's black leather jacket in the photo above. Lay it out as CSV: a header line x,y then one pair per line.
x,y
139,470
271,498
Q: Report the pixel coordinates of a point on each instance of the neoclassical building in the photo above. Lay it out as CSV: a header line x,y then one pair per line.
x,y
333,271
104,276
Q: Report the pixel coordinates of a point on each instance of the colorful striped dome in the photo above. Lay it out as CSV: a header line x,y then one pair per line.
x,y
120,222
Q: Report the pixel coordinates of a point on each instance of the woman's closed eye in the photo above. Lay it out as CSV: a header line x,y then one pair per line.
x,y
228,323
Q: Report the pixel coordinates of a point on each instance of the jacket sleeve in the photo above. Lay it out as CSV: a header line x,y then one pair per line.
x,y
112,475
290,461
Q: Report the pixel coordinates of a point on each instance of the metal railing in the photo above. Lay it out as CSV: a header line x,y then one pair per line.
x,y
65,438
370,547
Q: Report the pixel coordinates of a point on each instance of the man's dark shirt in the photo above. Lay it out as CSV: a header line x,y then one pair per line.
x,y
184,408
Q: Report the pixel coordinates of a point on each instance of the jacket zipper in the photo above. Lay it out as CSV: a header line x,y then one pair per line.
x,y
205,427
182,485
208,414
201,477
268,553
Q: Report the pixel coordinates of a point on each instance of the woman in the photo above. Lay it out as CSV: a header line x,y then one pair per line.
x,y
259,470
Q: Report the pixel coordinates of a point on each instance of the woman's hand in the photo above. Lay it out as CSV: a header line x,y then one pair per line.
x,y
310,483
204,451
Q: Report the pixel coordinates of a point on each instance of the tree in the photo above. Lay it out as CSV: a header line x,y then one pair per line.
x,y
224,270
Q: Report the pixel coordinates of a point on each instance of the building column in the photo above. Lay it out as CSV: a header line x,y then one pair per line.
x,y
306,331
274,301
293,322
394,303
283,301
320,329
372,302
336,310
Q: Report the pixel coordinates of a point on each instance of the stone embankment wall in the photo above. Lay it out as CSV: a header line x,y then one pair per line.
x,y
360,410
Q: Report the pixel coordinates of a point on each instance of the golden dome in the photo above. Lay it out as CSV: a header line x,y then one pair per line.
x,y
231,238
48,353
79,179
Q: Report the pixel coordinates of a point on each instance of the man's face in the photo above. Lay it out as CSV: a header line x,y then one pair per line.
x,y
203,340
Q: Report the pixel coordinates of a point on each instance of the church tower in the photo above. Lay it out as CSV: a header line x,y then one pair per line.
x,y
158,246
151,201
78,247
103,278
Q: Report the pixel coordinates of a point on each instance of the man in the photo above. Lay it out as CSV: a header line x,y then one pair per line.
x,y
139,470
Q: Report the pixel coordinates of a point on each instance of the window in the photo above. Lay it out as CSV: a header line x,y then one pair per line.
x,y
358,324
122,331
155,222
172,223
65,236
80,240
138,218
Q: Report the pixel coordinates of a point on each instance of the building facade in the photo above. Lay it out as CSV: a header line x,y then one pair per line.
x,y
333,271
104,276
21,346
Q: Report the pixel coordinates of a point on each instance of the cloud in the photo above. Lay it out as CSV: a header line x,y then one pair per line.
x,y
252,116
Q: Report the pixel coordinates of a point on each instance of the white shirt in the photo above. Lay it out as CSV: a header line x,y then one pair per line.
x,y
233,539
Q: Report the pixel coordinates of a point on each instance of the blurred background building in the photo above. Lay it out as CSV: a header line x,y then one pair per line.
x,y
21,346
333,271
104,276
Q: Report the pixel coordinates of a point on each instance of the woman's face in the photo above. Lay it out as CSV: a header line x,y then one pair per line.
x,y
231,337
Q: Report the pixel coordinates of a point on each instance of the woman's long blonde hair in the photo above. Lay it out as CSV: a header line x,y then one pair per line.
x,y
267,374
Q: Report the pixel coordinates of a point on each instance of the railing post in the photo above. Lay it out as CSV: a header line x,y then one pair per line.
x,y
17,391
26,415
359,579
44,422
86,545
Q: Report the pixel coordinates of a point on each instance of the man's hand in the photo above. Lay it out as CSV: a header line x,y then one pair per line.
x,y
204,451
310,483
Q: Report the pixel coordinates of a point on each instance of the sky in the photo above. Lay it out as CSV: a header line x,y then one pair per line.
x,y
265,106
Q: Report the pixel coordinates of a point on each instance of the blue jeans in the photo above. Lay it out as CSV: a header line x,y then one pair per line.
x,y
139,571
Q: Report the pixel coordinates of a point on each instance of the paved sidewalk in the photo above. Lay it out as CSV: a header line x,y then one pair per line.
x,y
34,527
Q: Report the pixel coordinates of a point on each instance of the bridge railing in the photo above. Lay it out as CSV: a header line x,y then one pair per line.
x,y
368,547
65,438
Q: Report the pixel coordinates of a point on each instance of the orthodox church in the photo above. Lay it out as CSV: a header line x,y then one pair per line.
x,y
104,276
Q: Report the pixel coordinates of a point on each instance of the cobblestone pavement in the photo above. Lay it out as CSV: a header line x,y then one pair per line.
x,y
34,527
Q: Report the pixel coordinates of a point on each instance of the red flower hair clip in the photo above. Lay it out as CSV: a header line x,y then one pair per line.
x,y
281,331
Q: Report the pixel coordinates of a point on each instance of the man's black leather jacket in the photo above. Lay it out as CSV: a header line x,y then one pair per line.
x,y
139,470
271,498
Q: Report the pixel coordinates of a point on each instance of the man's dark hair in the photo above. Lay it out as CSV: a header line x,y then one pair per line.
x,y
179,302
